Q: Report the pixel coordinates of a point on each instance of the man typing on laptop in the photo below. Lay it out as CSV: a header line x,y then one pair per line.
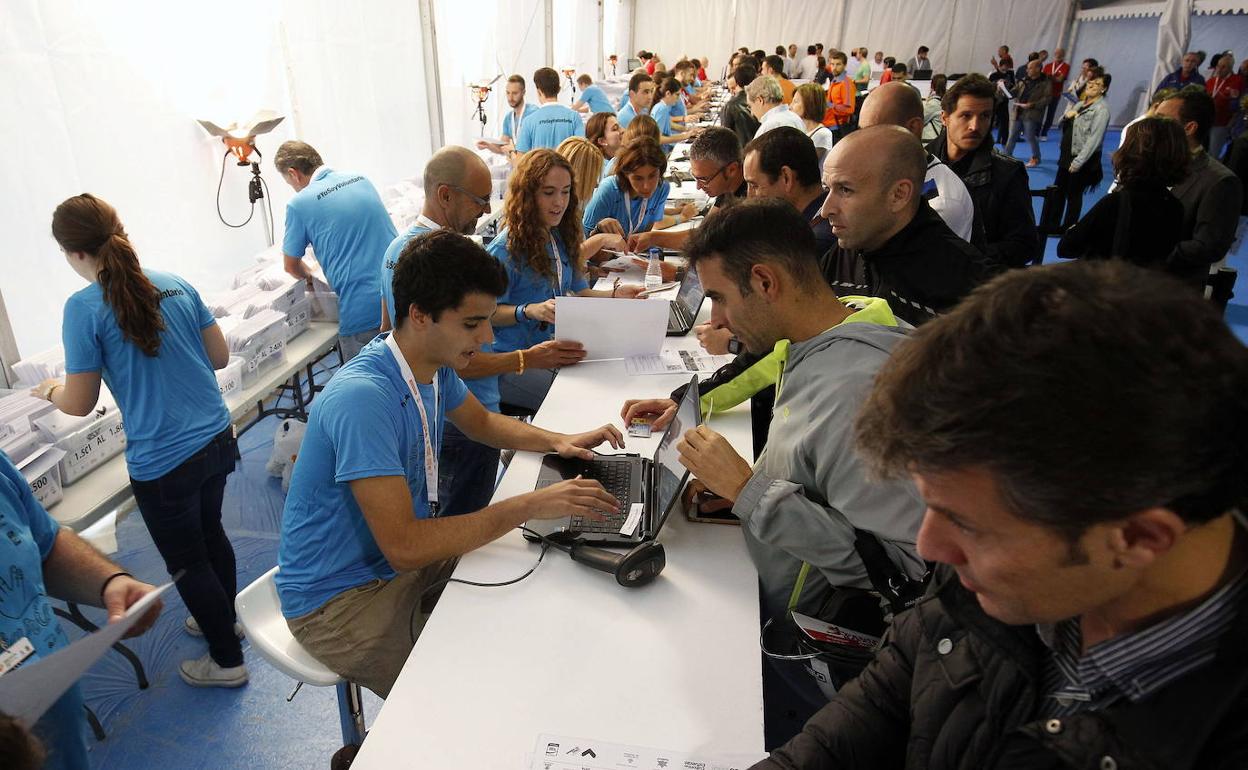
x,y
362,548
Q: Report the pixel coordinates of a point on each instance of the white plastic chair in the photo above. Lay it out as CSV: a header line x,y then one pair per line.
x,y
260,613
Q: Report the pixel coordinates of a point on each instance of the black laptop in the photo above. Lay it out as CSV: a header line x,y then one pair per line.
x,y
654,484
684,309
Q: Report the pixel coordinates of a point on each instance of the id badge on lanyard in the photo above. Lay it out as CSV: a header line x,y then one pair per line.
x,y
431,457
554,252
634,225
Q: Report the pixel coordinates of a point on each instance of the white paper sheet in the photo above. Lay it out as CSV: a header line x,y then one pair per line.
x,y
612,328
27,692
675,362
561,752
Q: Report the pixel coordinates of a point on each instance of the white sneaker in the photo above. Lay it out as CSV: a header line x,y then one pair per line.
x,y
192,627
204,672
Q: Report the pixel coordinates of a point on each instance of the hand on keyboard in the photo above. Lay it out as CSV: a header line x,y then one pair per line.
x,y
574,497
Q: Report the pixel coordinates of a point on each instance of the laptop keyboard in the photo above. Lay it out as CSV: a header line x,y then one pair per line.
x,y
616,478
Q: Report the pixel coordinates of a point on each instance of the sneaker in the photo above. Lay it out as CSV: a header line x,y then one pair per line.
x,y
192,627
1033,163
204,672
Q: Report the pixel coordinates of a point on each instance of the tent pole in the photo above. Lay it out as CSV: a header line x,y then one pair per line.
x,y
550,32
433,79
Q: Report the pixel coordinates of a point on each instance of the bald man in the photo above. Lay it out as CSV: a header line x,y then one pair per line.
x,y
891,243
457,192
898,104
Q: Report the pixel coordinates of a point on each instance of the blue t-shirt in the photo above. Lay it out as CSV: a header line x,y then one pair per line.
x,y
171,403
627,113
662,114
390,259
29,534
608,168
342,217
549,125
509,128
484,388
362,425
679,110
635,215
525,287
596,98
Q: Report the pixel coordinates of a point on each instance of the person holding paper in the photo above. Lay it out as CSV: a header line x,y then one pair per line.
x,y
148,335
41,559
363,545
536,249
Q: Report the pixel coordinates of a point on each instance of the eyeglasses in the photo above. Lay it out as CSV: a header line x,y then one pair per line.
x,y
477,199
703,181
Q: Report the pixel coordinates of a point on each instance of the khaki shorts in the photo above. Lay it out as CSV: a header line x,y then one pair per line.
x,y
365,634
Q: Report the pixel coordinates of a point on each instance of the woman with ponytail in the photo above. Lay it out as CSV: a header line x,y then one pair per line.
x,y
148,335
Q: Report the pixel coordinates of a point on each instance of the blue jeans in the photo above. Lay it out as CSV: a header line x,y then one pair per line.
x,y
182,511
1029,129
467,472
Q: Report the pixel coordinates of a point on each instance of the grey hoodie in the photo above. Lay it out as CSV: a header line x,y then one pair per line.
x,y
810,488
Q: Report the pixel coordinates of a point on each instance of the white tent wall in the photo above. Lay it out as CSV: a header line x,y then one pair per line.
x,y
479,40
1127,48
962,34
576,40
103,98
617,31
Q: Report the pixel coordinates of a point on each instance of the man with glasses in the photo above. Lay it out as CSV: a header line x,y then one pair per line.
x,y
715,162
341,216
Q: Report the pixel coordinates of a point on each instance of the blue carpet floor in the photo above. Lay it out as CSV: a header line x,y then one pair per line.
x,y
171,725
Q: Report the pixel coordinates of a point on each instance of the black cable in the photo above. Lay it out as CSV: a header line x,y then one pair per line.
x,y
441,583
220,181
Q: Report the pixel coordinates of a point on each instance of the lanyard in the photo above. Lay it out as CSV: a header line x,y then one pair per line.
x,y
554,250
1219,84
634,226
516,119
431,457
425,221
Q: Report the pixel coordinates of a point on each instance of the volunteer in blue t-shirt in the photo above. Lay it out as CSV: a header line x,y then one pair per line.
x,y
341,216
669,97
635,195
592,99
552,122
37,552
602,129
541,248
638,99
362,540
148,336
513,121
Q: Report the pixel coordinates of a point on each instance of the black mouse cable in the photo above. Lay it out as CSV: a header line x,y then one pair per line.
x,y
546,543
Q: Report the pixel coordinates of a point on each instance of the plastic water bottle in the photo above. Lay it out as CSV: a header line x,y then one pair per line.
x,y
654,269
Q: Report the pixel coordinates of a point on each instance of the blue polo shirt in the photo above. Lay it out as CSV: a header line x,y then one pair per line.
x,y
662,114
596,98
549,125
635,215
679,110
341,216
170,402
627,113
362,425
509,128
29,534
525,287
484,388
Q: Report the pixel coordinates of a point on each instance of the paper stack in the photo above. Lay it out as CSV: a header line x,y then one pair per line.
x,y
41,366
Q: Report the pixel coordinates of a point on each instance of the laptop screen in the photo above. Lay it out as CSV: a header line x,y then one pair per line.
x,y
691,294
670,474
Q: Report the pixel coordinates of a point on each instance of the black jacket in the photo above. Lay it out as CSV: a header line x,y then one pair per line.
x,y
1005,227
736,117
971,707
923,270
1141,221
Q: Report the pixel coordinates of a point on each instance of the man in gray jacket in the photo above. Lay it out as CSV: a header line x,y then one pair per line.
x,y
1031,96
808,492
1211,194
